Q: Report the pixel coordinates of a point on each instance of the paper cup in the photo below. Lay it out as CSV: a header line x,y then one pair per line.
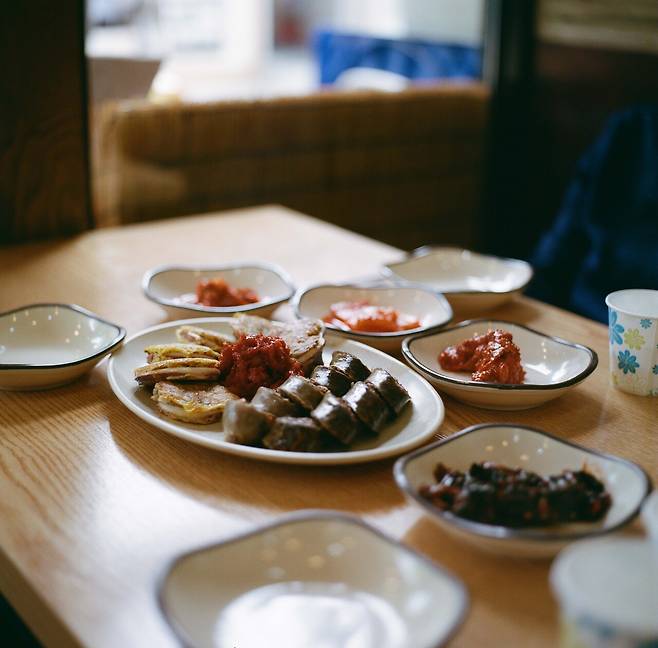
x,y
633,329
607,591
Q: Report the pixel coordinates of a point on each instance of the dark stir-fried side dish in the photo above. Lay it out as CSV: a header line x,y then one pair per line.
x,y
515,497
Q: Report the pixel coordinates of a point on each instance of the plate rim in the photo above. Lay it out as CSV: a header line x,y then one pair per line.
x,y
445,305
149,275
578,378
265,454
427,250
312,515
500,532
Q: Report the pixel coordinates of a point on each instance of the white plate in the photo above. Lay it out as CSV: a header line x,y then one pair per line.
x,y
415,425
428,307
552,365
173,287
518,446
312,579
470,281
48,345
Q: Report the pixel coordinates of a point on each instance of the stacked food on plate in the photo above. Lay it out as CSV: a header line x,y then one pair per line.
x,y
268,384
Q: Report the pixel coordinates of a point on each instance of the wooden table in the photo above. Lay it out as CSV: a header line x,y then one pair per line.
x,y
94,502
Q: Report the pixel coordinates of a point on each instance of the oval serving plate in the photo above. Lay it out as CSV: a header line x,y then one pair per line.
x,y
416,425
552,365
469,280
173,287
431,309
519,446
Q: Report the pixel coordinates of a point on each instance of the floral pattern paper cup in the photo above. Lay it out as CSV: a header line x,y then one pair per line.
x,y
633,329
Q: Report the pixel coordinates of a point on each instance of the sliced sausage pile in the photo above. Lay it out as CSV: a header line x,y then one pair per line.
x,y
337,405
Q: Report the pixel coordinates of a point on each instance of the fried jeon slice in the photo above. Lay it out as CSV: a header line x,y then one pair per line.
x,y
200,403
305,337
178,369
159,352
203,337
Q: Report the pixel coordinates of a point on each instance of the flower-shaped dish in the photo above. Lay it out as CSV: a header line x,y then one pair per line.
x,y
318,577
48,345
552,365
173,287
470,281
518,446
428,307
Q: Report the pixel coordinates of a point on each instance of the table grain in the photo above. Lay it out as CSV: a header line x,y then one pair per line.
x,y
94,502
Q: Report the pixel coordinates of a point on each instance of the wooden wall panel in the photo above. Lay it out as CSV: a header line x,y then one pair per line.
x,y
43,145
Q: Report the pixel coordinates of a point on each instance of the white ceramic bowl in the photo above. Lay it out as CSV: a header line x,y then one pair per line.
x,y
48,345
316,578
518,446
173,287
431,309
469,280
552,365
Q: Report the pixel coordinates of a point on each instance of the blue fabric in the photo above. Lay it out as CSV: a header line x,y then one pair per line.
x,y
414,59
605,236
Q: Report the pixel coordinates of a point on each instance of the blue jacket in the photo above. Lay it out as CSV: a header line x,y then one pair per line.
x,y
605,236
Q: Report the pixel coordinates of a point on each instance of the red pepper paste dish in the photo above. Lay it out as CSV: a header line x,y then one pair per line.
x,y
364,317
492,357
218,293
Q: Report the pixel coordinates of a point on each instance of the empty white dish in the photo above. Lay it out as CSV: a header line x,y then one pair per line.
x,y
312,579
173,287
48,345
518,446
431,309
552,365
469,280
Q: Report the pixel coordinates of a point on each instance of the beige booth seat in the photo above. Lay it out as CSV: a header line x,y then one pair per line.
x,y
403,167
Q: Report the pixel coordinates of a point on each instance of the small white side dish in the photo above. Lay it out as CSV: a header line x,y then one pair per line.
x,y
173,287
48,345
431,309
552,365
319,578
469,280
518,446
416,424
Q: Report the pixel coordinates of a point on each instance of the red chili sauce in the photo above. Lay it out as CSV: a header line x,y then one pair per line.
x,y
216,292
254,361
366,318
492,357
